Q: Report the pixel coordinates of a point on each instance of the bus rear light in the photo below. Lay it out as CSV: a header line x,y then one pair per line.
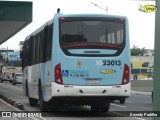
x,y
126,74
121,19
58,74
62,18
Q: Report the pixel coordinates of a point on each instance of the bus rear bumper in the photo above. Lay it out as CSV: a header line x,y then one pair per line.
x,y
84,91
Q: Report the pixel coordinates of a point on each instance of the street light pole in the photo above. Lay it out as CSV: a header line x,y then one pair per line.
x,y
106,9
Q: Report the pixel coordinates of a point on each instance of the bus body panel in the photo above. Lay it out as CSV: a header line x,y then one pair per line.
x,y
72,90
40,73
34,80
47,86
91,73
24,82
92,68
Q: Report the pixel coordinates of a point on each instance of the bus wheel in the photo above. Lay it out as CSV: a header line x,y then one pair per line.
x,y
111,101
13,83
100,106
26,88
122,101
54,106
32,101
43,104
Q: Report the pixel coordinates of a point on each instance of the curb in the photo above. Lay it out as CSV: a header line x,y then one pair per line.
x,y
12,102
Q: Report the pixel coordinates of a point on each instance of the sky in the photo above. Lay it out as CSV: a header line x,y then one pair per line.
x,y
141,24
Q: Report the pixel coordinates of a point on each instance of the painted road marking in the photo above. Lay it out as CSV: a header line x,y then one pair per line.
x,y
129,101
118,105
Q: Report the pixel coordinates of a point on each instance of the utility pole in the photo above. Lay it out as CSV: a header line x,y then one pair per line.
x,y
106,9
7,57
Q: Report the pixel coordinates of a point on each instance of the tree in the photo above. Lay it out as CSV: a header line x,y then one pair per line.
x,y
135,51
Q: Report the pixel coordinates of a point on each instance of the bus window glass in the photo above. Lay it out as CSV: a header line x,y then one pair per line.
x,y
82,31
113,38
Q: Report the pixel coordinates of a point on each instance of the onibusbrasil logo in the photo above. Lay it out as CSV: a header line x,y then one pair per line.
x,y
148,8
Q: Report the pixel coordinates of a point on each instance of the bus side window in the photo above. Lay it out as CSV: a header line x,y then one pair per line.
x,y
30,51
49,42
38,50
40,47
44,41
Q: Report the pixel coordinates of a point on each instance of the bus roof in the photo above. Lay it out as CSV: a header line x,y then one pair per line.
x,y
73,15
91,15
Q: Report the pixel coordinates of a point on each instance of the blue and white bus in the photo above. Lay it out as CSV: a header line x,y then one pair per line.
x,y
81,59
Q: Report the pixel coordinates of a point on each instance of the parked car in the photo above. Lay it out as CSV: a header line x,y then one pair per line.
x,y
5,77
17,79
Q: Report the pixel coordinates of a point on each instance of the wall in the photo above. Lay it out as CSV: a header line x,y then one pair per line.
x,y
142,85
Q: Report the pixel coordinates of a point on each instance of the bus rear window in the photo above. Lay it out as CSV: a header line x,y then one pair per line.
x,y
91,32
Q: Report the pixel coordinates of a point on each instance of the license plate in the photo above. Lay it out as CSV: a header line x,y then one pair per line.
x,y
93,81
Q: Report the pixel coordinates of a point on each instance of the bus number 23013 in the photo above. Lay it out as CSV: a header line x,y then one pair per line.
x,y
108,62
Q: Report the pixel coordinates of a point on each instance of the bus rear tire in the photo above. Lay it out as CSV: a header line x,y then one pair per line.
x,y
122,101
26,88
32,101
13,83
100,106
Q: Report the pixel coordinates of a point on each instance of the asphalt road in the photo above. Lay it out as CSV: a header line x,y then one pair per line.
x,y
118,111
6,110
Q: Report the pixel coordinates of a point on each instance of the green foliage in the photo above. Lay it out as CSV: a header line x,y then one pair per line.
x,y
135,51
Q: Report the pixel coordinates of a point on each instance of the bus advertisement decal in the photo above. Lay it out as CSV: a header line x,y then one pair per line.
x,y
75,73
79,64
108,71
65,73
79,73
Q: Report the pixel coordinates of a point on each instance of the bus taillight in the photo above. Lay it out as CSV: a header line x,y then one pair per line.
x,y
58,74
121,19
126,74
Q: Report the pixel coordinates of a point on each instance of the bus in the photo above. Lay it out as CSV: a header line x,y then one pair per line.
x,y
77,59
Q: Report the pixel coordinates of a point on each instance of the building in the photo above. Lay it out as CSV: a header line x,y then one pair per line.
x,y
142,67
21,45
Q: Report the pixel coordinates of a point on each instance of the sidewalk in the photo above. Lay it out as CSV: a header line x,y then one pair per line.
x,y
140,93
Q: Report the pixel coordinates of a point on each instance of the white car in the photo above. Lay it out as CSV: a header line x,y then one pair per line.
x,y
17,79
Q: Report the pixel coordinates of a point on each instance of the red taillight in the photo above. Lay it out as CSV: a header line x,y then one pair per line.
x,y
121,19
126,74
62,18
58,74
